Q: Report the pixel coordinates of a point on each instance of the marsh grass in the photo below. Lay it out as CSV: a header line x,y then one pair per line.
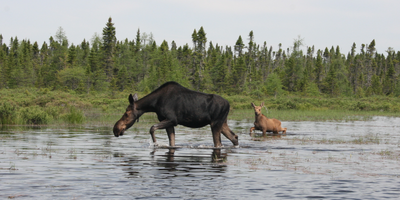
x,y
367,139
74,116
34,115
389,154
42,106
359,140
309,115
8,113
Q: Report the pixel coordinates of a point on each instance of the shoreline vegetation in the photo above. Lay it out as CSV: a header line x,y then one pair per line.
x,y
59,82
33,106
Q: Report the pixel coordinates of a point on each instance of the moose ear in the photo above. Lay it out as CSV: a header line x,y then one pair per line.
x,y
130,99
133,98
262,104
252,104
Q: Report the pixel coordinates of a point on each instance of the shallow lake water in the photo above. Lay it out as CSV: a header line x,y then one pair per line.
x,y
332,160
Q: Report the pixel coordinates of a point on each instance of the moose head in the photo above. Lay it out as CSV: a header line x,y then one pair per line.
x,y
257,109
129,118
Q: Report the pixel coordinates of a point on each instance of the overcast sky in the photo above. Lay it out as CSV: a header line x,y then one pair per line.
x,y
321,23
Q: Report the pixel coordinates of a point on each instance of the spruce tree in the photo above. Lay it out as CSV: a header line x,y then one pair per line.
x,y
138,43
376,86
12,70
331,86
389,82
122,78
239,46
273,85
27,76
219,73
3,62
199,40
71,58
108,48
83,55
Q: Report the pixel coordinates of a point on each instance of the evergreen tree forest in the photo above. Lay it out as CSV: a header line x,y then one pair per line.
x,y
106,64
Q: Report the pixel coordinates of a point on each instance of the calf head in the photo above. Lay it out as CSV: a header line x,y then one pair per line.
x,y
128,119
257,109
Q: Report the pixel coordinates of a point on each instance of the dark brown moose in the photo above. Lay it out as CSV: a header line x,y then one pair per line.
x,y
175,104
265,124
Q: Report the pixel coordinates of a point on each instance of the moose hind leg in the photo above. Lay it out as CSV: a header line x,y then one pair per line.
x,y
171,135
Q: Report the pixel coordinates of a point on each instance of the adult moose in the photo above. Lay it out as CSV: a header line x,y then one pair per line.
x,y
175,104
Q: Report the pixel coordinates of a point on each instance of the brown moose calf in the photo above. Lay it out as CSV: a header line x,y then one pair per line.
x,y
265,124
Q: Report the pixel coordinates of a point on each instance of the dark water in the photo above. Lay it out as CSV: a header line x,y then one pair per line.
x,y
332,160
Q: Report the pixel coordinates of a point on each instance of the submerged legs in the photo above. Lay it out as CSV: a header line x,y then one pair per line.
x,y
216,131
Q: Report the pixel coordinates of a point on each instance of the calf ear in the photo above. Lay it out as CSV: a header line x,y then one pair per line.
x,y
252,104
262,104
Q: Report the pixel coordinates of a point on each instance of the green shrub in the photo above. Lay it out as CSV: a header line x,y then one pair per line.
x,y
238,99
272,106
395,108
54,111
75,116
312,90
360,106
8,113
304,106
43,100
287,105
384,107
34,115
257,93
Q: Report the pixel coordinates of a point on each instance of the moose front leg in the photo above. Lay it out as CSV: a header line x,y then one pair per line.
x,y
216,131
162,125
226,131
264,133
251,130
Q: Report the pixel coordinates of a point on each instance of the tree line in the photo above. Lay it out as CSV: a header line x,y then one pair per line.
x,y
248,68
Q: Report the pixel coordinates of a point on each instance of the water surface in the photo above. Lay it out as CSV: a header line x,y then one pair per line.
x,y
314,160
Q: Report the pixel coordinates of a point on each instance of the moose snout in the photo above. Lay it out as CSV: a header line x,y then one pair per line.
x,y
118,130
118,133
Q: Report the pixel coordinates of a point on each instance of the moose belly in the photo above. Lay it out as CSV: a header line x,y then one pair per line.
x,y
194,123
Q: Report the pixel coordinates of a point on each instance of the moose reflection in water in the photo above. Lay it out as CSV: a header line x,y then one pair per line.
x,y
216,155
165,162
177,105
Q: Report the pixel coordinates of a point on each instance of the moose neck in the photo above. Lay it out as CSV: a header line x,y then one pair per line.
x,y
146,104
259,116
